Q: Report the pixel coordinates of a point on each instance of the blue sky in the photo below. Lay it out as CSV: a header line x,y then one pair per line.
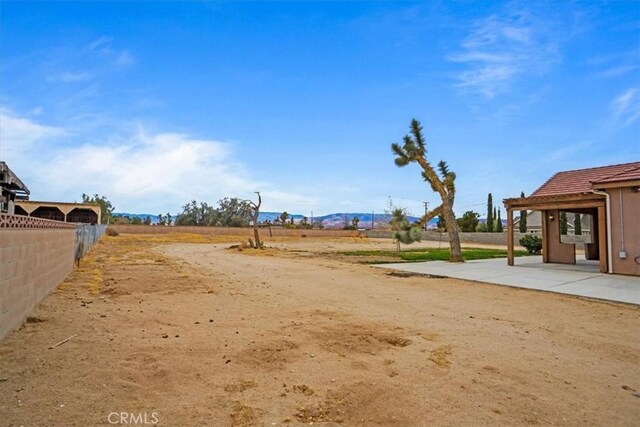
x,y
156,103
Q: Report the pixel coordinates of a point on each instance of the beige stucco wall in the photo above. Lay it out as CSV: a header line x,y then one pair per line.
x,y
32,263
630,223
562,253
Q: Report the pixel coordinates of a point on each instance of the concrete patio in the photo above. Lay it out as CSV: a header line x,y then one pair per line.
x,y
582,279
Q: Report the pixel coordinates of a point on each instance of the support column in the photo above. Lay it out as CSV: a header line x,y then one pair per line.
x,y
510,236
602,239
544,217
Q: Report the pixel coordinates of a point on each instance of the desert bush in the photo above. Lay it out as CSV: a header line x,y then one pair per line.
x,y
532,243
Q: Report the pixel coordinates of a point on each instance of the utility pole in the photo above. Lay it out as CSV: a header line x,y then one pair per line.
x,y
426,210
311,219
373,214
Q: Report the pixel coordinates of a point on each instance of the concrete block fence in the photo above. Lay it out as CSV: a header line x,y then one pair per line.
x,y
35,257
499,239
479,238
231,231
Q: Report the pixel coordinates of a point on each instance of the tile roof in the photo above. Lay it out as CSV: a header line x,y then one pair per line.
x,y
628,175
579,181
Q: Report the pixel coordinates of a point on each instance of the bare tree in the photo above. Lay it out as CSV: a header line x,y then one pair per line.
x,y
413,149
253,213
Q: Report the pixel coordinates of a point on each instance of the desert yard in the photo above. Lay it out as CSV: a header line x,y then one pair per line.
x,y
184,330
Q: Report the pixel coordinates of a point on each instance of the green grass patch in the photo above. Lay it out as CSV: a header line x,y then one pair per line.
x,y
432,254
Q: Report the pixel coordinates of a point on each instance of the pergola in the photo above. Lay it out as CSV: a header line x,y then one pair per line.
x,y
607,193
583,203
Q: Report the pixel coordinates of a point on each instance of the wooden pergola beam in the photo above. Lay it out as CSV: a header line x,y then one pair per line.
x,y
543,206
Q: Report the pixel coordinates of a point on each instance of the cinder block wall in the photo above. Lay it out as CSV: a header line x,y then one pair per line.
x,y
231,231
32,263
499,239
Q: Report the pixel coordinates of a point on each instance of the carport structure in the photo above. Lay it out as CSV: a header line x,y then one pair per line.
x,y
88,213
610,194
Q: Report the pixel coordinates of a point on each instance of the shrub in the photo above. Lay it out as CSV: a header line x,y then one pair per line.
x,y
532,243
111,232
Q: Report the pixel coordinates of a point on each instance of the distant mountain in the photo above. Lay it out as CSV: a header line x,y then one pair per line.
x,y
272,216
337,220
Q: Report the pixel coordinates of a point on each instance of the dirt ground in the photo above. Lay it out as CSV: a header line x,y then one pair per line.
x,y
185,331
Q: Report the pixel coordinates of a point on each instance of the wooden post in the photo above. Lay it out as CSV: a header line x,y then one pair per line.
x,y
602,239
510,236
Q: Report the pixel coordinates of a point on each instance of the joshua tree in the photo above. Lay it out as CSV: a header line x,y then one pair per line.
x,y
283,218
413,149
404,232
354,222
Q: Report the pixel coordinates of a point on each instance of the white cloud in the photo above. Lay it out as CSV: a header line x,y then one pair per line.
x,y
18,135
99,43
280,199
618,71
626,107
149,172
570,150
502,48
125,58
71,77
141,172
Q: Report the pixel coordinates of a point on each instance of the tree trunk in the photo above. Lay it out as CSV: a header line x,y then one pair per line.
x,y
256,233
455,254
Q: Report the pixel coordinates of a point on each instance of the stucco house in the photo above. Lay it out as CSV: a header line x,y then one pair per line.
x,y
12,189
14,200
609,195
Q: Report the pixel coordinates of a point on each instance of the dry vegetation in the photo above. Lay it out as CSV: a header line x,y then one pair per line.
x,y
207,335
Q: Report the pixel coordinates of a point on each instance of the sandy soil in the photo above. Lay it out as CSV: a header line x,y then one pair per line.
x,y
193,333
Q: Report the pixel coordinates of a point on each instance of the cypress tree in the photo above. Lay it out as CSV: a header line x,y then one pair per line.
x,y
577,225
523,217
495,220
489,213
563,223
499,227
